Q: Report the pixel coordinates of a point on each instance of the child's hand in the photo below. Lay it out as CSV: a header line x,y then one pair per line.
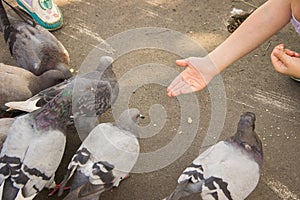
x,y
198,73
286,61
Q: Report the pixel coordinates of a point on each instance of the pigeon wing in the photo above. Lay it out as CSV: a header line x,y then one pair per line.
x,y
229,171
42,160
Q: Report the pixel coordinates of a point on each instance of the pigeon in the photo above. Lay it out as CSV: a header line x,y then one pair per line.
x,y
85,120
19,84
40,99
227,170
36,141
103,72
33,47
104,158
237,17
34,148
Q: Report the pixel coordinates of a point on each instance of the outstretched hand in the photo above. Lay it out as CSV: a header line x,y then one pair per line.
x,y
198,73
286,61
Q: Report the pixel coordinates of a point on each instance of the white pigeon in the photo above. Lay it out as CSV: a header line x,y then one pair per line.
x,y
228,170
105,157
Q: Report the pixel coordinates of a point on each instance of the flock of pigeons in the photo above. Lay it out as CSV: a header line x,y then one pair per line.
x,y
33,143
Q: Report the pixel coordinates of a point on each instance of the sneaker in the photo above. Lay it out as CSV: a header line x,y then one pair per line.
x,y
44,12
296,79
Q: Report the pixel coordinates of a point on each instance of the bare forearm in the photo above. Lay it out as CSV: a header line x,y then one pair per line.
x,y
256,29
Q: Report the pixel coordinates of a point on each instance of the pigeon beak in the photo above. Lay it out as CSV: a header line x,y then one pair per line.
x,y
141,116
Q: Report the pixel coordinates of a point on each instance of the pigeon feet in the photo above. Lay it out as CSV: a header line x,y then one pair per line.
x,y
56,189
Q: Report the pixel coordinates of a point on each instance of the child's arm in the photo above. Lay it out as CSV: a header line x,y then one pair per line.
x,y
257,28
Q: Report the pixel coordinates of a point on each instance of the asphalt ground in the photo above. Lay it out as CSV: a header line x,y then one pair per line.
x,y
250,84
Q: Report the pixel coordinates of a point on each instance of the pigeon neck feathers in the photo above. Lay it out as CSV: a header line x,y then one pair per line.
x,y
56,113
128,120
246,137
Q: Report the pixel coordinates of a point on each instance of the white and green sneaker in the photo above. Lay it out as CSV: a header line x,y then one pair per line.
x,y
44,12
296,79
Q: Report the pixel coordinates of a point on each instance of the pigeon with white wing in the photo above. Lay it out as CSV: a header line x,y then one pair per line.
x,y
18,84
103,72
228,170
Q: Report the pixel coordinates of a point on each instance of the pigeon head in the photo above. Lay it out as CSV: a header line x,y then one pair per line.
x,y
63,68
46,80
129,119
246,136
104,63
105,68
55,76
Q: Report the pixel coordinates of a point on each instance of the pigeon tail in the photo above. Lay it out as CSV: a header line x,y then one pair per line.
x,y
11,192
184,189
87,191
28,106
3,16
67,177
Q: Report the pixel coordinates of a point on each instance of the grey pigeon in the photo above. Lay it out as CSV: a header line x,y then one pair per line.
x,y
105,157
108,92
40,99
228,170
34,148
35,142
85,119
33,47
18,84
103,72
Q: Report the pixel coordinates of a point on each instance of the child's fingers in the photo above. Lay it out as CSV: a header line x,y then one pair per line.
x,y
292,53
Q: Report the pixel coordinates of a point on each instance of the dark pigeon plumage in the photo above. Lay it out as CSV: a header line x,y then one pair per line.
x,y
228,170
18,84
40,99
35,143
33,47
103,72
85,119
105,157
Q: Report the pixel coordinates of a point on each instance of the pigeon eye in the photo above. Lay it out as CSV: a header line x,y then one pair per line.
x,y
140,116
